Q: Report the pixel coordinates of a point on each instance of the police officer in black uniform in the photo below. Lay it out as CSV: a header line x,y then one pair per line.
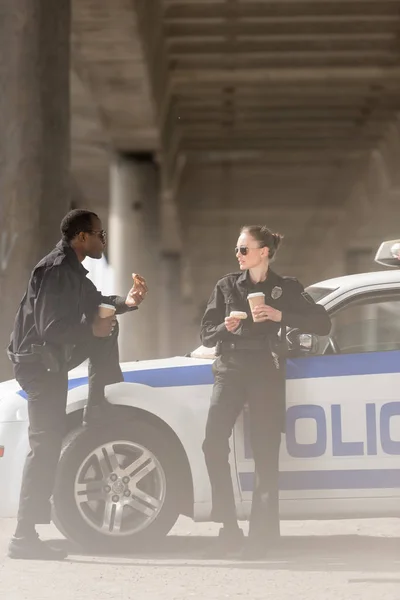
x,y
57,327
250,368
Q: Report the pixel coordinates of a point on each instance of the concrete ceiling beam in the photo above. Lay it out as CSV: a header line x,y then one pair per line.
x,y
368,74
176,24
277,54
276,26
210,214
276,155
285,43
202,9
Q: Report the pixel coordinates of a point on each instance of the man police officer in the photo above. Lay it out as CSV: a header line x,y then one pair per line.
x,y
57,327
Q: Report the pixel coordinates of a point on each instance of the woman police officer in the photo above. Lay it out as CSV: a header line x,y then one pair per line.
x,y
248,370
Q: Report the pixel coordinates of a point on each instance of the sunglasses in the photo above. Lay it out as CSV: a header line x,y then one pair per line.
x,y
102,234
244,250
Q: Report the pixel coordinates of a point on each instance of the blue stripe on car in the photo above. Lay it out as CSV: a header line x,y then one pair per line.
x,y
340,365
357,479
163,377
172,376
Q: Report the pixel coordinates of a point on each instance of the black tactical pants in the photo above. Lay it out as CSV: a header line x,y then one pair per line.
x,y
47,397
254,380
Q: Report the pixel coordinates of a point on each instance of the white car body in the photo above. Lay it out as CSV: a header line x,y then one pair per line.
x,y
340,456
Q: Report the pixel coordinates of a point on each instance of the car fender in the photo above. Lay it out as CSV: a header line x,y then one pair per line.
x,y
13,408
14,439
179,411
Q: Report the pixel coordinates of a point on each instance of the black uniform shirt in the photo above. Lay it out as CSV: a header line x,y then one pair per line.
x,y
60,303
283,293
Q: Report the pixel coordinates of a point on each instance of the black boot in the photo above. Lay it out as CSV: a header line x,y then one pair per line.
x,y
257,548
32,548
229,543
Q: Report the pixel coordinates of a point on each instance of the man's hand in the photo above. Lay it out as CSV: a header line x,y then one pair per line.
x,y
103,327
232,323
137,292
263,312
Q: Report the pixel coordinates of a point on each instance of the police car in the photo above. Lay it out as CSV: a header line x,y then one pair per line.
x,y
129,479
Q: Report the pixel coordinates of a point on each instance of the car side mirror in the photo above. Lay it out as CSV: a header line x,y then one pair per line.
x,y
302,343
308,342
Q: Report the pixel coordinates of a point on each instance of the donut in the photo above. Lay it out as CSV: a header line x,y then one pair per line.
x,y
238,314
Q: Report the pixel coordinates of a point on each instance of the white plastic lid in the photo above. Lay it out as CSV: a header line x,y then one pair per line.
x,y
256,294
104,305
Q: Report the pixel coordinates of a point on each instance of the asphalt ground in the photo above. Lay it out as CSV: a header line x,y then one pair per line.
x,y
317,560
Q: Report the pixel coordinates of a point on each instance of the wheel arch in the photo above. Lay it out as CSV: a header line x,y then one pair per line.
x,y
127,413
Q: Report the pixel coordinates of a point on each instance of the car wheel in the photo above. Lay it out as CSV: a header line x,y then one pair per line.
x,y
117,486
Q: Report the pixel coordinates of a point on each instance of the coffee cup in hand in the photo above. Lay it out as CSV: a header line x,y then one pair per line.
x,y
255,300
106,310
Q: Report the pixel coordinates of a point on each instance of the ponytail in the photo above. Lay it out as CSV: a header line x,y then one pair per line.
x,y
265,237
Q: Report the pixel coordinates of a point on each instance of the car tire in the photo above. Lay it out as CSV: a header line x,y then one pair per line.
x,y
78,450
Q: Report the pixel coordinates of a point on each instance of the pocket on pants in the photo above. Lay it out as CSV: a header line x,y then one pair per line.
x,y
29,376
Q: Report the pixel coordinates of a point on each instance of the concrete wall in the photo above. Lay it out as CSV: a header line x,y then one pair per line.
x,y
216,200
371,214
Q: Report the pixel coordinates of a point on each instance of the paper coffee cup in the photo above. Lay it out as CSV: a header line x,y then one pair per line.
x,y
254,300
106,310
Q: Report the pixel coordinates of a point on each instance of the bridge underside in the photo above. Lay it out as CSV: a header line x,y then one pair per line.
x,y
283,112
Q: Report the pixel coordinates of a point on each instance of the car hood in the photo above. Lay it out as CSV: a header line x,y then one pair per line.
x,y
7,387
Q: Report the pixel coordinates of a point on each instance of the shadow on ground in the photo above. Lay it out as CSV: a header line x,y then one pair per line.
x,y
313,553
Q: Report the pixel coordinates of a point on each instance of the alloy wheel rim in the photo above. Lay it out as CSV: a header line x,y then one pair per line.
x,y
120,488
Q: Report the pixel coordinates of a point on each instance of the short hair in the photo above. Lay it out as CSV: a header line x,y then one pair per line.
x,y
76,221
265,237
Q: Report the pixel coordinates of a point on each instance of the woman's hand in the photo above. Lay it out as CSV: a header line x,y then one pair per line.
x,y
263,312
232,324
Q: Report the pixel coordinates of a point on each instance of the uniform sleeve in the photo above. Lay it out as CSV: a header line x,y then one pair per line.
x,y
213,328
57,320
301,312
119,303
93,298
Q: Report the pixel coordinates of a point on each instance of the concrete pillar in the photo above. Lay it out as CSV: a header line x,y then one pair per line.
x,y
194,311
171,325
34,143
134,248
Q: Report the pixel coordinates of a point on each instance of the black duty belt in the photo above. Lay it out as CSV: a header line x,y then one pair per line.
x,y
51,357
23,358
256,345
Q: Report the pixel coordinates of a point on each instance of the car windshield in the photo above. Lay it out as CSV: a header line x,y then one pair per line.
x,y
317,293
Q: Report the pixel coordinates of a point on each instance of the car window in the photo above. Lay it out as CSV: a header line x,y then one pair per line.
x,y
317,293
371,324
